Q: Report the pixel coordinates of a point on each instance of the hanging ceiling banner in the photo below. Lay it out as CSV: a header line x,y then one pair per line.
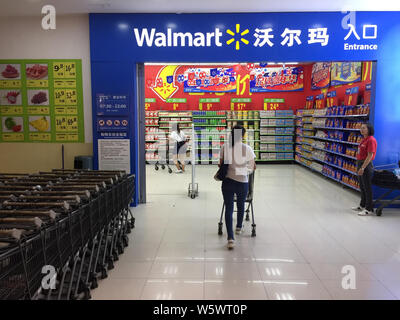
x,y
345,72
276,79
208,80
321,75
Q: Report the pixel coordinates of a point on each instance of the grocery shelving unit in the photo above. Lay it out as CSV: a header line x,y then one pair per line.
x,y
210,127
334,143
276,135
160,121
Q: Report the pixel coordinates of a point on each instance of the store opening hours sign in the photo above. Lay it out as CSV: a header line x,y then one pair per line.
x,y
112,104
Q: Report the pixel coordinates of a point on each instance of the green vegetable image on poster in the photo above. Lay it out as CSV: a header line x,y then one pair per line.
x,y
41,101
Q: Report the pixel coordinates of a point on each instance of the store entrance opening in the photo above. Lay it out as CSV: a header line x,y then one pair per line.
x,y
294,113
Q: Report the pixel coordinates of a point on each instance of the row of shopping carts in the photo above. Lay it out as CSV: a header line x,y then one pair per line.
x,y
61,231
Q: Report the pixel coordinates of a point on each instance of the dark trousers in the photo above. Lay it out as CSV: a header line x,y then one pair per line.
x,y
229,189
366,185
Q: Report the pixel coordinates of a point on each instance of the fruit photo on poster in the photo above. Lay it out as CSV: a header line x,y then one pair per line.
x,y
39,124
36,71
12,124
10,97
10,71
38,97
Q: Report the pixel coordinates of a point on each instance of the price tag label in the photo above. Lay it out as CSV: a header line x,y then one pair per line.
x,y
69,70
13,137
72,123
10,84
58,70
40,136
61,123
38,110
59,97
241,106
37,83
272,106
11,110
70,97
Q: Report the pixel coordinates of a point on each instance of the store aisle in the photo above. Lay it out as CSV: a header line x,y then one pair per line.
x,y
306,233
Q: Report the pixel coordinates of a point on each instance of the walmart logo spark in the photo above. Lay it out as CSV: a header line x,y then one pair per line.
x,y
230,32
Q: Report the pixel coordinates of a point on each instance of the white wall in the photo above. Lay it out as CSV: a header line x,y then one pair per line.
x,y
24,38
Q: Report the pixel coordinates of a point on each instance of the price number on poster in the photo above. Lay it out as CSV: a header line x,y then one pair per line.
x,y
70,97
61,124
175,106
59,97
69,70
147,106
58,70
72,124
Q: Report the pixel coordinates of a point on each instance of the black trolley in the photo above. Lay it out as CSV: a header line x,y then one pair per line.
x,y
249,201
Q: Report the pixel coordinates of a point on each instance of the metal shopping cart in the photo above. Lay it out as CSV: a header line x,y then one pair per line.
x,y
249,201
163,155
386,177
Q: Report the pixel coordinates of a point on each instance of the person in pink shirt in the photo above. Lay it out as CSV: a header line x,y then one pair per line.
x,y
366,153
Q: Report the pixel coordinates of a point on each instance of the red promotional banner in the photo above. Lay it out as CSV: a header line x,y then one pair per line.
x,y
320,75
208,80
276,79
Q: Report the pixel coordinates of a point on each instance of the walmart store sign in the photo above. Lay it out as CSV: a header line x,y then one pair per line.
x,y
258,38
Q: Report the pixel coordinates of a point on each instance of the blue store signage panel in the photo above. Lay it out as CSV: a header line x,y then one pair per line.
x,y
119,41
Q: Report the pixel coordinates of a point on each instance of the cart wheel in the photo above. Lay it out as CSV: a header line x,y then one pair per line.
x,y
379,212
87,295
193,196
94,283
253,230
247,217
110,264
132,223
115,256
169,170
125,241
120,249
220,224
156,167
163,166
103,273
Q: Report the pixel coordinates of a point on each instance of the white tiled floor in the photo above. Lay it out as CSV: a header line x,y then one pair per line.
x,y
306,234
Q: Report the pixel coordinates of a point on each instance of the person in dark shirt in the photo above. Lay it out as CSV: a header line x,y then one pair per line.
x,y
366,153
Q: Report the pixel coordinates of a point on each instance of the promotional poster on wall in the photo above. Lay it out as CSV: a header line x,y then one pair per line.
x,y
321,75
345,72
276,79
